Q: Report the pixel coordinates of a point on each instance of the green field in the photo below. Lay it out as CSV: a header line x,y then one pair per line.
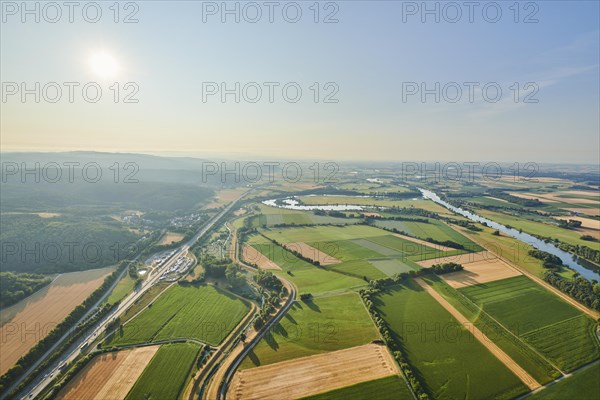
x,y
556,329
322,233
511,249
166,374
451,363
271,216
368,241
372,201
392,387
306,277
364,251
320,325
124,287
583,385
204,313
537,228
436,230
393,266
516,348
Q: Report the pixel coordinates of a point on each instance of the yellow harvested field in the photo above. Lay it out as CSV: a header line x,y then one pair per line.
x,y
424,243
572,197
533,197
171,237
48,215
225,196
310,375
110,375
461,258
588,226
497,199
312,253
30,320
253,256
370,214
480,272
586,211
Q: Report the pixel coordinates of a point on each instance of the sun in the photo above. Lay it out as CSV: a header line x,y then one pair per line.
x,y
104,65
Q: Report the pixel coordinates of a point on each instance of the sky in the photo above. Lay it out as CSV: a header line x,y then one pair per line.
x,y
376,80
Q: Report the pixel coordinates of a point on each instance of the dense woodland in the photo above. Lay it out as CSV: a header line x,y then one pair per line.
x,y
579,288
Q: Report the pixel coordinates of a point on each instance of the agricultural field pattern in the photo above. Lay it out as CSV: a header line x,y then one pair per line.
x,y
300,200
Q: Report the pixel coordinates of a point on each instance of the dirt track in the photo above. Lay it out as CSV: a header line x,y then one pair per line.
x,y
491,346
310,375
109,376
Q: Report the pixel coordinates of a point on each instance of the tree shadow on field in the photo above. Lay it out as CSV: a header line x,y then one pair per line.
x,y
290,318
312,305
280,330
254,358
270,340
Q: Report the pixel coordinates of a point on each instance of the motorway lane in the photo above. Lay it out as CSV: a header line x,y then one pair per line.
x,y
129,300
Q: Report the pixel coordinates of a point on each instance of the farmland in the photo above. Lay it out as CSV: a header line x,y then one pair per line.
x,y
378,389
30,320
451,363
314,374
305,276
124,286
480,272
521,352
320,325
364,251
109,375
167,373
513,250
272,216
171,237
433,229
564,336
376,202
537,228
583,385
204,313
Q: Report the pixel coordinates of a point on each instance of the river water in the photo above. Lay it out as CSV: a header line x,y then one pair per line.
x,y
567,258
292,204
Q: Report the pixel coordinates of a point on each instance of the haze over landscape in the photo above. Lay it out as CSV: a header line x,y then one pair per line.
x,y
312,200
372,49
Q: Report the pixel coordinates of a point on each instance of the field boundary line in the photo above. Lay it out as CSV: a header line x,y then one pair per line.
x,y
594,314
501,325
504,358
551,325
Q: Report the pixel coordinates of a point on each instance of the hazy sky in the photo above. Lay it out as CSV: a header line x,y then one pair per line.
x,y
370,57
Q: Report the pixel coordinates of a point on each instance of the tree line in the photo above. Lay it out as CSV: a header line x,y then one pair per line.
x,y
578,288
368,295
15,287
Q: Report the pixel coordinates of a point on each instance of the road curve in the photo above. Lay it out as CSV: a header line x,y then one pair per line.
x,y
224,385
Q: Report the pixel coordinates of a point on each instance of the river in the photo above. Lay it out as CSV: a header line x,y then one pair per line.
x,y
567,258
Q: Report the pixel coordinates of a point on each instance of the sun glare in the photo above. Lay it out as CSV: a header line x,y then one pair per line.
x,y
104,65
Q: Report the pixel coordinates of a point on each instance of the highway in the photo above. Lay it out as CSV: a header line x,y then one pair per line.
x,y
75,350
